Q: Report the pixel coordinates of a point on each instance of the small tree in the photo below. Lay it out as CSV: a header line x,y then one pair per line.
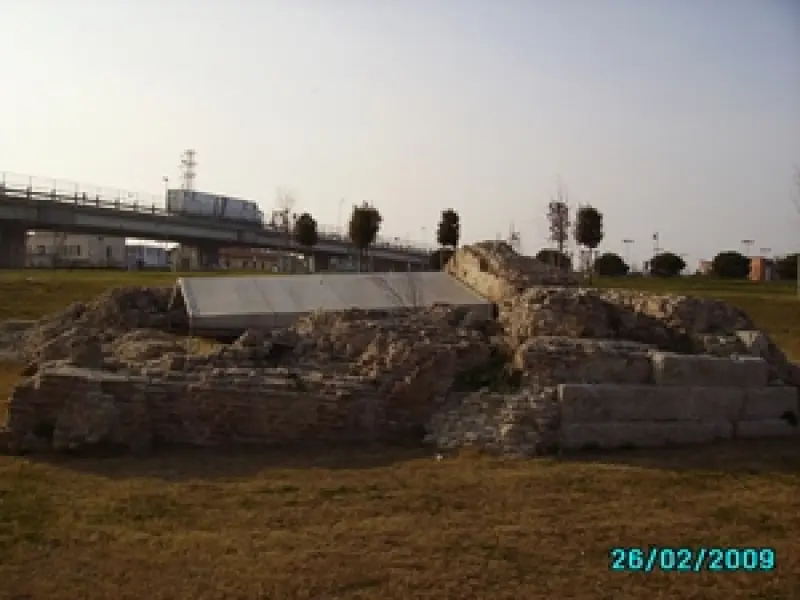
x,y
448,232
365,222
305,233
610,265
666,264
558,218
555,258
282,218
786,267
730,265
589,230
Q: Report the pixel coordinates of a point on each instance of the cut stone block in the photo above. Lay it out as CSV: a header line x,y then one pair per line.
x,y
553,360
587,403
770,403
766,428
709,371
582,436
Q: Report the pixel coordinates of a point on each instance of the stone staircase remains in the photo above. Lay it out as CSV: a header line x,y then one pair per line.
x,y
583,397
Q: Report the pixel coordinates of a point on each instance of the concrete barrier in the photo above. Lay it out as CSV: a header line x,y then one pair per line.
x,y
604,403
582,436
709,371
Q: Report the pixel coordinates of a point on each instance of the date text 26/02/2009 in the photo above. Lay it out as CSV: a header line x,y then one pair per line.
x,y
698,559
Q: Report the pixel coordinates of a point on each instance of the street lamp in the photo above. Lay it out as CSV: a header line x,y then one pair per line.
x,y
747,244
627,243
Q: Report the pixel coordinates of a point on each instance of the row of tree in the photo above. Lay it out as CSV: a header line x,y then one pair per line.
x,y
609,264
734,265
363,227
725,265
587,231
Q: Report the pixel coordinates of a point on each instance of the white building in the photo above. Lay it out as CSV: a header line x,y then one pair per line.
x,y
56,249
145,256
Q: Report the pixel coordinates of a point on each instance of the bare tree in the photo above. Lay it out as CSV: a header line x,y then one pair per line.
x,y
285,201
558,217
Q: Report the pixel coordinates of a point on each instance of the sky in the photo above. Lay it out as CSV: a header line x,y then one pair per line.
x,y
673,116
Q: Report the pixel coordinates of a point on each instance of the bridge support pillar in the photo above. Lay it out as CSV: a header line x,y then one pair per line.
x,y
12,245
321,262
208,256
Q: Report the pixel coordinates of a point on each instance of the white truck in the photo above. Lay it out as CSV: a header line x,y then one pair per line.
x,y
192,203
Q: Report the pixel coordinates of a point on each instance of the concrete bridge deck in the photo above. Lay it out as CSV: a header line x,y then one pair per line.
x,y
35,205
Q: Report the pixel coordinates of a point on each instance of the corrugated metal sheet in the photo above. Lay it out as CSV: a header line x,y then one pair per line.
x,y
237,303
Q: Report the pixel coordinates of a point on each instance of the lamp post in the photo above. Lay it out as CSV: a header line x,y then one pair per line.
x,y
627,243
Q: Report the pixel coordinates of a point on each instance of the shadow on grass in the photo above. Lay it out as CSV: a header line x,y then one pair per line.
x,y
181,463
750,457
754,457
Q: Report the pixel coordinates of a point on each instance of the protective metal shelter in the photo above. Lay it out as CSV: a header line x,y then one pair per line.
x,y
229,305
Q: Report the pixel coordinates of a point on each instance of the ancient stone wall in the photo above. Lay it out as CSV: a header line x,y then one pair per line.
x,y
561,367
666,399
498,273
72,408
350,376
536,300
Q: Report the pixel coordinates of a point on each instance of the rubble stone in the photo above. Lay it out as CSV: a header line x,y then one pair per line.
x,y
561,366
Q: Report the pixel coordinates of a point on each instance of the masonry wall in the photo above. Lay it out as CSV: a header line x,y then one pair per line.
x,y
76,407
588,394
617,416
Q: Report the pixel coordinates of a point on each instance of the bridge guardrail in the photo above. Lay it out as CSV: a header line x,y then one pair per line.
x,y
69,192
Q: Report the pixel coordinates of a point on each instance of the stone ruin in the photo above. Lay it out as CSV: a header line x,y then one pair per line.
x,y
559,368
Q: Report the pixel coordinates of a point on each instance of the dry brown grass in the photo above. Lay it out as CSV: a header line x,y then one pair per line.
x,y
394,523
391,524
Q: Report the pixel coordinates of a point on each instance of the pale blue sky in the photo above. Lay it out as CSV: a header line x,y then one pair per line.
x,y
675,116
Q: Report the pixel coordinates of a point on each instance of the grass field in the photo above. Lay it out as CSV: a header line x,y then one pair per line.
x,y
392,523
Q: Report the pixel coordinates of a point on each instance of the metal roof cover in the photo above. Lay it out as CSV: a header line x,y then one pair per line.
x,y
238,303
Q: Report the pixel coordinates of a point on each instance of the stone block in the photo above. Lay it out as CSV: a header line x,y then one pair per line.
x,y
765,428
553,360
772,402
582,436
586,403
709,371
